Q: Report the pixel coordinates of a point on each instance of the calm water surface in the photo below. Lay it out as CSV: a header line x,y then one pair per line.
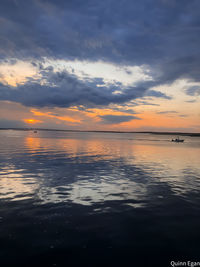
x,y
104,199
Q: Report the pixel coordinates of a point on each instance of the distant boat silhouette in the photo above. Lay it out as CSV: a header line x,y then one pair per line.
x,y
177,140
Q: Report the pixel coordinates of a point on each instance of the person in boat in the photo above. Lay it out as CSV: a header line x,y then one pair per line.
x,y
178,140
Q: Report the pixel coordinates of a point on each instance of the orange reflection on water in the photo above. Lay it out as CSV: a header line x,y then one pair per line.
x,y
103,149
86,146
132,149
122,166
33,143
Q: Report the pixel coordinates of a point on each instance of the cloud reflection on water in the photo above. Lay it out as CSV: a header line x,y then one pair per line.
x,y
94,168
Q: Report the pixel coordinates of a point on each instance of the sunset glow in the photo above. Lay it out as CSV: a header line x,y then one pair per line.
x,y
109,77
32,121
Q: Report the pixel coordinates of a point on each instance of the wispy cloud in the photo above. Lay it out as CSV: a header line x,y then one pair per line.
x,y
116,119
167,112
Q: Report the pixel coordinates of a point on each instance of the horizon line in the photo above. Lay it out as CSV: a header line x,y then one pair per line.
x,y
100,131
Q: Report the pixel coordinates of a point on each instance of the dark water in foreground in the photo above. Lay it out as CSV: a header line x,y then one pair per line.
x,y
98,199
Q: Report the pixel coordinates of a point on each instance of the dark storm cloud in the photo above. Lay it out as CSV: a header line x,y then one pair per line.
x,y
162,34
115,119
185,67
61,89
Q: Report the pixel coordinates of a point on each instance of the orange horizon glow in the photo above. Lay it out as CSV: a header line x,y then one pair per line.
x,y
146,119
156,120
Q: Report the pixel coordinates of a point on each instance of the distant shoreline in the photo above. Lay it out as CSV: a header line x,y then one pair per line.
x,y
93,131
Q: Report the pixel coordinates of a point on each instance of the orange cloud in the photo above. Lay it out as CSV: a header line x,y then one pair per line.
x,y
50,115
32,121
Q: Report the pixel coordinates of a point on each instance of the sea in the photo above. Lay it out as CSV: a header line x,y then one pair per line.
x,y
98,199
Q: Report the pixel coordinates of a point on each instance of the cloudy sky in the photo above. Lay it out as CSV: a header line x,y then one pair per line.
x,y
100,65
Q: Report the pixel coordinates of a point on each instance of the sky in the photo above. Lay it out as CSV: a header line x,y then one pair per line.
x,y
100,65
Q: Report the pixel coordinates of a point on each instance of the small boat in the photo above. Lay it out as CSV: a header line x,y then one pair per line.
x,y
177,140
